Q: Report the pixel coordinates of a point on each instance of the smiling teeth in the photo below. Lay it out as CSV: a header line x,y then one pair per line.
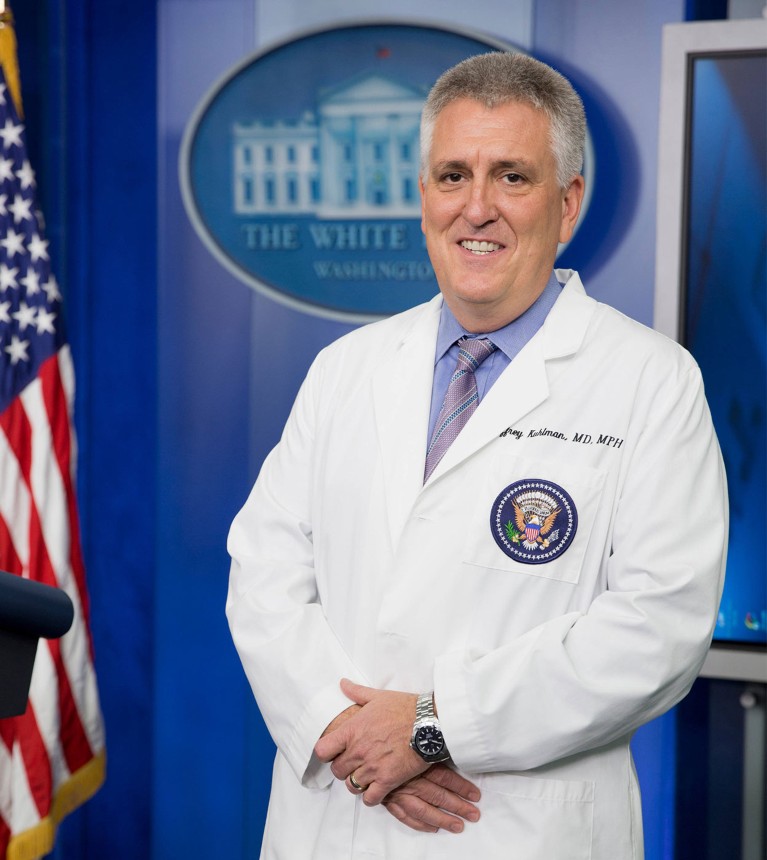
x,y
480,247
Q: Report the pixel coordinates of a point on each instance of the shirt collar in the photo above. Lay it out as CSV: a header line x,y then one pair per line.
x,y
511,337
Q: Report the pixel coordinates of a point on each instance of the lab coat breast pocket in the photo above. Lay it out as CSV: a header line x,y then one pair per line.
x,y
536,518
528,558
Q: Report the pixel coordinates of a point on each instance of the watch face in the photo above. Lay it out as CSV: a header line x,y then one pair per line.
x,y
429,741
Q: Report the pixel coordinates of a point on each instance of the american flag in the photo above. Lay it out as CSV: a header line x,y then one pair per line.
x,y
52,758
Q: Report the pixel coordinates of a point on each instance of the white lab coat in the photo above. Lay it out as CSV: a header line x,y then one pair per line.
x,y
345,565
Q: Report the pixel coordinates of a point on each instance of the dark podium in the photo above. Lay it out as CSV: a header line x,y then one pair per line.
x,y
28,610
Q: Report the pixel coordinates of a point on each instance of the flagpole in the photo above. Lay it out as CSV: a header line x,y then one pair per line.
x,y
8,55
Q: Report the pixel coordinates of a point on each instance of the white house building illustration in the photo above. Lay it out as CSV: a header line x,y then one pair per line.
x,y
356,156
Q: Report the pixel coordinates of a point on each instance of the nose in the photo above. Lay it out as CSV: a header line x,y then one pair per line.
x,y
480,208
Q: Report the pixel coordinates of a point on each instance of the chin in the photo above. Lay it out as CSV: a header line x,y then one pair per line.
x,y
478,296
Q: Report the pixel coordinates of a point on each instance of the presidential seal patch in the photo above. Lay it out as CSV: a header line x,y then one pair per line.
x,y
533,521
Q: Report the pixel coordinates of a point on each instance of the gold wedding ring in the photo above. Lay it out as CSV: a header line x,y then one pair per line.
x,y
355,784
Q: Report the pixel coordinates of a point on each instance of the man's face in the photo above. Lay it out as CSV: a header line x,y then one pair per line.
x,y
493,211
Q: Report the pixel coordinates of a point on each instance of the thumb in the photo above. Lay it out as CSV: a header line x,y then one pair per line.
x,y
356,692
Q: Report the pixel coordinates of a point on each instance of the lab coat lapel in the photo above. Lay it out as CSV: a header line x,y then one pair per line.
x,y
524,384
402,396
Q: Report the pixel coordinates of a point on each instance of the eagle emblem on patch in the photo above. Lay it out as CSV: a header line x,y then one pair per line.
x,y
533,521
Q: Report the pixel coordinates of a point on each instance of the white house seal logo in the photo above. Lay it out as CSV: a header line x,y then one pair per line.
x,y
534,521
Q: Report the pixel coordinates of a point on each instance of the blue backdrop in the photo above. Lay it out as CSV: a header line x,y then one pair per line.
x,y
164,341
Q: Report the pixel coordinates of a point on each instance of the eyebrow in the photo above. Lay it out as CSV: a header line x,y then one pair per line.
x,y
459,166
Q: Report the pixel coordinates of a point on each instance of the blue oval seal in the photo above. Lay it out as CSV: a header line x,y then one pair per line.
x,y
300,168
533,521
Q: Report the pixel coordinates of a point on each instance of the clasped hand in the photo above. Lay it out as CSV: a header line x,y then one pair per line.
x,y
371,740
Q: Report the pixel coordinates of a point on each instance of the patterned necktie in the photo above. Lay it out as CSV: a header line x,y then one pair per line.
x,y
460,400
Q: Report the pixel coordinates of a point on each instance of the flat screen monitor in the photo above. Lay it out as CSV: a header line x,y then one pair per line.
x,y
711,275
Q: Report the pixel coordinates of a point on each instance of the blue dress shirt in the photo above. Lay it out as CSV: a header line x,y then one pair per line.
x,y
510,339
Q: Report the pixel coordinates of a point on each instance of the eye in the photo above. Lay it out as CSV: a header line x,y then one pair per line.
x,y
513,178
452,178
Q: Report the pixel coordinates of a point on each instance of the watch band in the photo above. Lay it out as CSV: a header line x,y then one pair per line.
x,y
424,706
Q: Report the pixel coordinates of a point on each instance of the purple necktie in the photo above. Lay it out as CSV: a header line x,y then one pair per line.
x,y
460,401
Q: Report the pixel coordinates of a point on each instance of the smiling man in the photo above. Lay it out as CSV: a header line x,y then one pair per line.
x,y
494,209
490,543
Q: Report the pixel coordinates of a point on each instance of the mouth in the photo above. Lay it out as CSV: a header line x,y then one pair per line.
x,y
480,248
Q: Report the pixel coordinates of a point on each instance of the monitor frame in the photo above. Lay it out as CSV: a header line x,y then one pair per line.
x,y
682,43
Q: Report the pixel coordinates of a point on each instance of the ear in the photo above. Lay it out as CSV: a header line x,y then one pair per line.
x,y
423,207
571,208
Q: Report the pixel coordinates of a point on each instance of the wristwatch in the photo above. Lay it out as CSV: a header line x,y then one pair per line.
x,y
427,738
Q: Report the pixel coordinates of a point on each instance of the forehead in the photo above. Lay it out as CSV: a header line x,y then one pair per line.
x,y
466,125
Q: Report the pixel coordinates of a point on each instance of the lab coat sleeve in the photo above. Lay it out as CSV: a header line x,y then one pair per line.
x,y
290,655
584,679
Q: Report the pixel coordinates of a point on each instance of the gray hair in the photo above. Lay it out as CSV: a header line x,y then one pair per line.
x,y
499,77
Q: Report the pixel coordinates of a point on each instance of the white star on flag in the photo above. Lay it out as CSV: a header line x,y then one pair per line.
x,y
32,282
8,277
11,133
51,288
17,350
25,316
44,321
20,209
6,169
38,248
4,315
13,242
26,176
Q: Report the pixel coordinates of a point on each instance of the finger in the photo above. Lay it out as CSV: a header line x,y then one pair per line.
x,y
354,785
442,798
356,692
331,745
338,721
376,792
453,781
339,769
399,813
384,780
432,817
345,764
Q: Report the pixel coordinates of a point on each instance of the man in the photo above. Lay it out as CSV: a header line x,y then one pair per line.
x,y
432,597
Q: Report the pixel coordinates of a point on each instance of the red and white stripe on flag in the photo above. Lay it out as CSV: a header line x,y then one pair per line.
x,y
52,758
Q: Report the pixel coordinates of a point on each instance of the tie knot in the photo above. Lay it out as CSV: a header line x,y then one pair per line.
x,y
472,351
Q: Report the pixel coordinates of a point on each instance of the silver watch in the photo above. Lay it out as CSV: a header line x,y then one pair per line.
x,y
427,738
